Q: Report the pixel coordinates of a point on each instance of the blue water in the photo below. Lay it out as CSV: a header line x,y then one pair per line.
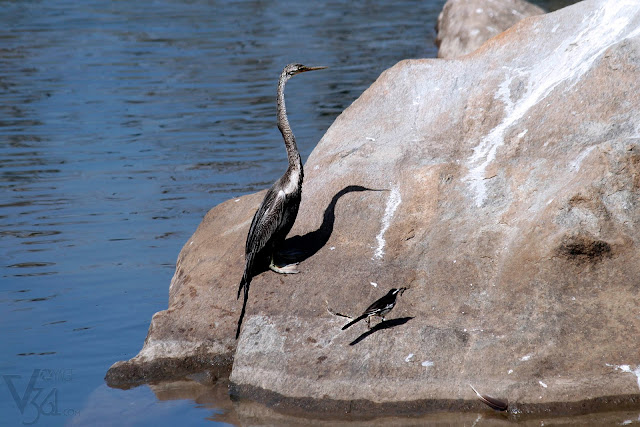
x,y
121,125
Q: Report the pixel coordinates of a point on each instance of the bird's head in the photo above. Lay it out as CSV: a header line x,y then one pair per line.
x,y
293,69
397,291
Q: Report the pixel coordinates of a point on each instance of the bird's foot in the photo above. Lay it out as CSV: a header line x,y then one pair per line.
x,y
287,269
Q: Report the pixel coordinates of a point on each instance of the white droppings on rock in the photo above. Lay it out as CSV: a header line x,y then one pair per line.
x,y
332,248
574,57
627,369
392,204
374,284
427,363
368,138
526,357
316,167
523,133
409,357
575,165
542,384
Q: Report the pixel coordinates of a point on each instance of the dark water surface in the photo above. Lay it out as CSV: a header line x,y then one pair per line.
x,y
121,125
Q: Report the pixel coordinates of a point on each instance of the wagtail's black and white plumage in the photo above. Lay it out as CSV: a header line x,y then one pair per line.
x,y
379,308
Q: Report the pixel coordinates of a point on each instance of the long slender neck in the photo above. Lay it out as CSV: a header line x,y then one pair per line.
x,y
283,124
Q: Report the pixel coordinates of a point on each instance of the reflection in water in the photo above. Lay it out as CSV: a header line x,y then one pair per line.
x,y
170,401
213,398
122,124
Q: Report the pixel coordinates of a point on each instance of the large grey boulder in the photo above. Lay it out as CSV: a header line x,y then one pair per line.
x,y
464,25
502,188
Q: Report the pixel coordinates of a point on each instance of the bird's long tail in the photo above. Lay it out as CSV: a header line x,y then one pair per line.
x,y
354,321
243,284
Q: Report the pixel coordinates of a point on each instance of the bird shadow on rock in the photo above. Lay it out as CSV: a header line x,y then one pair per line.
x,y
380,326
299,248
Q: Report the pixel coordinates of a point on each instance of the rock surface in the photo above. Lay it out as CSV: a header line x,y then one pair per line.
x,y
463,25
503,188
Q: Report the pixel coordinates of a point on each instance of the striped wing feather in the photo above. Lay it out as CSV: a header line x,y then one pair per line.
x,y
265,225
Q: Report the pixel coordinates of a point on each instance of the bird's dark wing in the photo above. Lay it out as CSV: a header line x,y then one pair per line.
x,y
378,307
266,221
386,302
265,225
259,232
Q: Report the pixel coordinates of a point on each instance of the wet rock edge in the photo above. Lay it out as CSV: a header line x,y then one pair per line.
x,y
360,409
131,373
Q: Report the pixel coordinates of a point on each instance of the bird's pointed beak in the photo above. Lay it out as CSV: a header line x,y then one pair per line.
x,y
312,69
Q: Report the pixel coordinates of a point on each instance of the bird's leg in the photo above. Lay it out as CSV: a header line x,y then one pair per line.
x,y
369,322
286,269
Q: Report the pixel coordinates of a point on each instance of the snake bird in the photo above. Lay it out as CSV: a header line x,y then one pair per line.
x,y
277,212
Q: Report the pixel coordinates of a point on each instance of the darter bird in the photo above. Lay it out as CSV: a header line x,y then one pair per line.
x,y
277,213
